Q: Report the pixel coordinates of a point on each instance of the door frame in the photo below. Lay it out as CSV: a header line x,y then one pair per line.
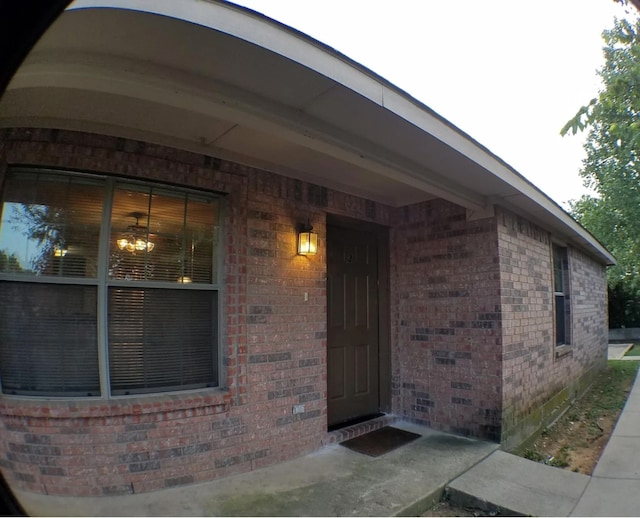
x,y
384,300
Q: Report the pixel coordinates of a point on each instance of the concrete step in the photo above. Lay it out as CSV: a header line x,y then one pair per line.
x,y
510,485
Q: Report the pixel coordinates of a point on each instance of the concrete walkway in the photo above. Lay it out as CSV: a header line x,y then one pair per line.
x,y
614,488
618,351
335,481
516,486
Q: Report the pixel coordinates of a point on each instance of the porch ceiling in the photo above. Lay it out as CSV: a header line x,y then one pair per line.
x,y
217,79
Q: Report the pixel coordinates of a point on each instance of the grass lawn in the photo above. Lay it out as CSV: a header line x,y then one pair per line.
x,y
634,351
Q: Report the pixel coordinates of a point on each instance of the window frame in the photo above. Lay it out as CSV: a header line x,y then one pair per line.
x,y
561,252
102,282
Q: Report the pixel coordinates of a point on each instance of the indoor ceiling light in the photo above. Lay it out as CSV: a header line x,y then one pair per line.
x,y
136,237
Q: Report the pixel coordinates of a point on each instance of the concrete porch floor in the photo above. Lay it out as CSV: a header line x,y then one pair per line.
x,y
333,481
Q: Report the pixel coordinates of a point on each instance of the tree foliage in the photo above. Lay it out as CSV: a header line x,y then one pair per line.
x,y
612,164
9,262
44,225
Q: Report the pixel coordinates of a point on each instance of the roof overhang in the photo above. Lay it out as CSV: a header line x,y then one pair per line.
x,y
221,80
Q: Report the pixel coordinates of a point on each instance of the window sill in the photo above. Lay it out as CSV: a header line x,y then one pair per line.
x,y
128,405
564,351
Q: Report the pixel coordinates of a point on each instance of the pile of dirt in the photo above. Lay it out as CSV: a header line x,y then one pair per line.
x,y
576,440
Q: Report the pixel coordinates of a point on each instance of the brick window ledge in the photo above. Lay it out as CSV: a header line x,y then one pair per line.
x,y
564,351
139,405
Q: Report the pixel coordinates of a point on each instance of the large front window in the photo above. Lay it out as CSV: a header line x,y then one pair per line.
x,y
106,286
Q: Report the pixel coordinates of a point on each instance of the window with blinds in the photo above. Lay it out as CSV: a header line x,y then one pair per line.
x,y
98,268
145,327
48,339
561,293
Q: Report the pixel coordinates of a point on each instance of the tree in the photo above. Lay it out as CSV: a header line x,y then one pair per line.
x,y
43,224
612,167
9,262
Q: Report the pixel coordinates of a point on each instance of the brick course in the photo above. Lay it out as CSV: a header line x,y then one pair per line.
x,y
273,347
448,335
83,447
471,324
534,370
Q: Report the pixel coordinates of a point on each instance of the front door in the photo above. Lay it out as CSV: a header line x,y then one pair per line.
x,y
352,327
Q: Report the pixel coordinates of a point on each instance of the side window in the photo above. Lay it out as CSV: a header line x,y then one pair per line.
x,y
562,298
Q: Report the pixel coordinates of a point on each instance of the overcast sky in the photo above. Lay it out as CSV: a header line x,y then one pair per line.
x,y
509,73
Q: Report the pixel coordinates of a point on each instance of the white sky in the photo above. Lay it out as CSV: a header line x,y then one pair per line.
x,y
509,73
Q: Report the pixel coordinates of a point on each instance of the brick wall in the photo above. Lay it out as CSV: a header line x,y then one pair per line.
x,y
273,342
133,445
286,334
447,358
107,448
471,333
590,327
539,379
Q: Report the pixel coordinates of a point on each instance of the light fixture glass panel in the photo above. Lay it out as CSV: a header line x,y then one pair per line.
x,y
307,243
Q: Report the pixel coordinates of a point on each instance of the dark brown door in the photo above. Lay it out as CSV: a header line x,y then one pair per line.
x,y
352,327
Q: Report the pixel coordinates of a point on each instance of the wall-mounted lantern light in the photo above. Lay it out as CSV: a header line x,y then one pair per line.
x,y
307,240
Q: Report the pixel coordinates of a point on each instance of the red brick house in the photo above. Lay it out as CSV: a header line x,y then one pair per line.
x,y
158,325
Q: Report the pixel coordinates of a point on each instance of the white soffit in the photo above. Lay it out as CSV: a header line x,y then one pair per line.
x,y
218,79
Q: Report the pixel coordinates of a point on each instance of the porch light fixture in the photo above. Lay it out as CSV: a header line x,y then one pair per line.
x,y
307,240
60,251
137,237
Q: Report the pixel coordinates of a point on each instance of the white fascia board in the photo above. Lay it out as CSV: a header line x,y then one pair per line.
x,y
269,34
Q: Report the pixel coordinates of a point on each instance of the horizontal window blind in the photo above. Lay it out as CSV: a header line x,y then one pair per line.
x,y
161,339
48,339
162,236
562,295
560,320
51,225
94,267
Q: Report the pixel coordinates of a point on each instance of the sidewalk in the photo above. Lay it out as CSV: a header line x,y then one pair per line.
x,y
614,488
618,351
335,481
517,486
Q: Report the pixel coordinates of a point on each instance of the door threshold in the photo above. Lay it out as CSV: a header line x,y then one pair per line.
x,y
354,421
349,429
